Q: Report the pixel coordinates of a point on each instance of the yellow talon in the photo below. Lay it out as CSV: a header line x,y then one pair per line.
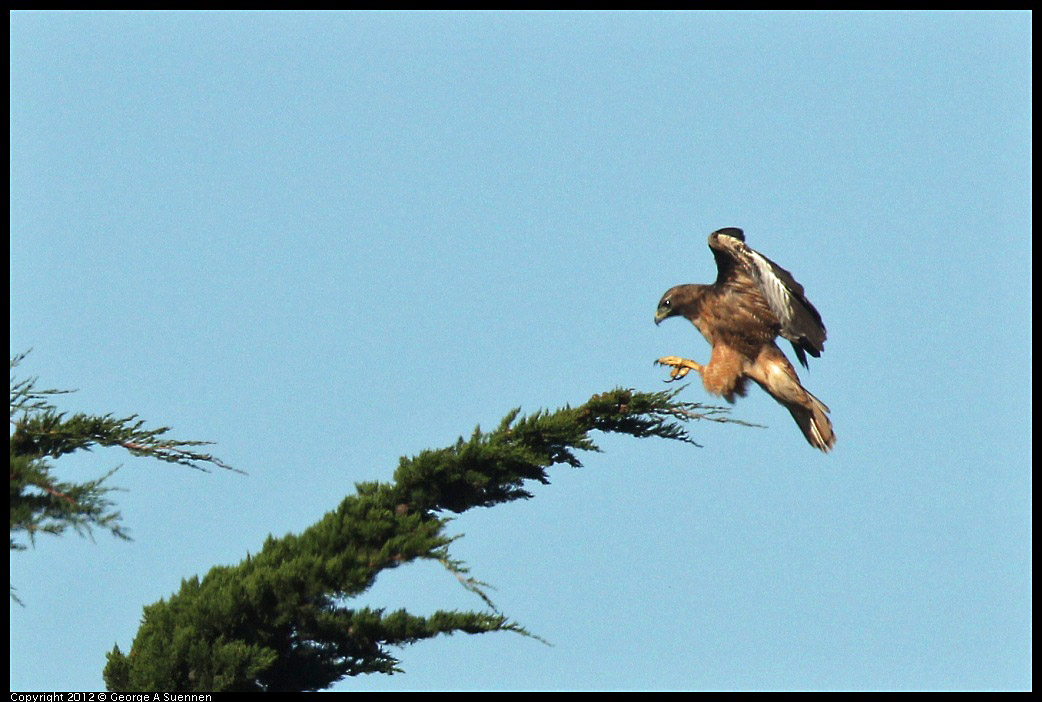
x,y
681,366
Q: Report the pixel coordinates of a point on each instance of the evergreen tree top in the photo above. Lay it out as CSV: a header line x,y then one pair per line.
x,y
279,620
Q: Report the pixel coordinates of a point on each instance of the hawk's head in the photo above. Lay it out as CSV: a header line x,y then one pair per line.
x,y
679,300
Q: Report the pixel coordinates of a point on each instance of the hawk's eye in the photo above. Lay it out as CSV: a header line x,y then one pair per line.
x,y
667,303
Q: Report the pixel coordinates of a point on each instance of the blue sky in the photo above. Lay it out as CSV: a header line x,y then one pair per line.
x,y
328,240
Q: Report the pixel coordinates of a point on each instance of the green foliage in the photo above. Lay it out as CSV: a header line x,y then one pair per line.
x,y
278,620
43,503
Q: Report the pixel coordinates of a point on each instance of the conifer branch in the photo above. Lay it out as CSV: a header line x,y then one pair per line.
x,y
41,503
280,619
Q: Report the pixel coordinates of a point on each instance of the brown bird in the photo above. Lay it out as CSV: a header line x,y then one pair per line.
x,y
752,302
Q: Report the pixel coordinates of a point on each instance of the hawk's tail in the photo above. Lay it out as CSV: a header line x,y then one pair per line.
x,y
812,418
777,376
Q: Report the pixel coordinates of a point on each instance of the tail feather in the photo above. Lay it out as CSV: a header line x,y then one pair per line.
x,y
775,374
813,421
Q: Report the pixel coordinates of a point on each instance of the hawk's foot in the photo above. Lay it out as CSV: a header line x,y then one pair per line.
x,y
681,366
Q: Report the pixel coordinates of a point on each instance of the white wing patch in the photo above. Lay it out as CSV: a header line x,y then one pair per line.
x,y
775,290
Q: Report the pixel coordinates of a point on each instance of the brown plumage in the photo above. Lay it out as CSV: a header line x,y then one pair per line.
x,y
752,302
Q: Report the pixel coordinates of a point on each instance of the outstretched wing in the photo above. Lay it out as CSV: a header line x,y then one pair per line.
x,y
726,264
800,322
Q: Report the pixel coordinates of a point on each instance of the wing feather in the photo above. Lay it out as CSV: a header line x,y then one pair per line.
x,y
800,321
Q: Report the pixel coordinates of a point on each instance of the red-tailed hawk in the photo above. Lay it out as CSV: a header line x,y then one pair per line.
x,y
752,302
